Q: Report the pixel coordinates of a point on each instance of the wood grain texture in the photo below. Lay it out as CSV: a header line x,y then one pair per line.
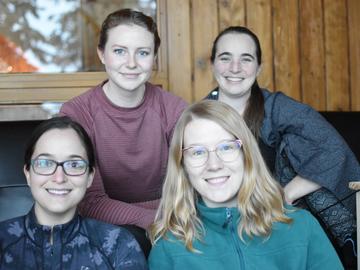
x,y
286,47
256,9
231,12
205,30
354,52
336,56
179,48
312,57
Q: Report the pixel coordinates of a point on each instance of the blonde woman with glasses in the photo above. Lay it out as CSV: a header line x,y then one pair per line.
x,y
221,208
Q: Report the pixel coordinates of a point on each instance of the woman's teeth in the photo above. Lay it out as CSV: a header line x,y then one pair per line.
x,y
58,191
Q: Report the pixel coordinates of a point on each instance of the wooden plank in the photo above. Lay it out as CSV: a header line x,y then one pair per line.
x,y
286,47
231,12
256,9
205,29
36,88
354,50
39,95
179,48
312,54
336,56
38,80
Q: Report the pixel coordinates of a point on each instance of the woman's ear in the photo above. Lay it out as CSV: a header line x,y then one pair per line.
x,y
90,178
101,55
27,175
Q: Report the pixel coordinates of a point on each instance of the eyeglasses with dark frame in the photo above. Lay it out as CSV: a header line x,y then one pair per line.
x,y
197,156
74,167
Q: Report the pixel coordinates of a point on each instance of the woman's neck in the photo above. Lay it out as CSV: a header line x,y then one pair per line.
x,y
47,218
124,98
239,103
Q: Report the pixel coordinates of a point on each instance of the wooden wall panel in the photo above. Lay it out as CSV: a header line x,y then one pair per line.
x,y
312,54
231,12
336,55
311,51
286,47
179,48
205,29
256,9
354,52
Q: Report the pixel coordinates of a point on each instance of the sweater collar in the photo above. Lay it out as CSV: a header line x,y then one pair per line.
x,y
219,219
44,235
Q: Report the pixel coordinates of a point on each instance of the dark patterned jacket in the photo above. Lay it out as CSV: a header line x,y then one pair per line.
x,y
307,145
81,244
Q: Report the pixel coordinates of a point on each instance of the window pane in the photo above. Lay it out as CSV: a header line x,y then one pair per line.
x,y
48,36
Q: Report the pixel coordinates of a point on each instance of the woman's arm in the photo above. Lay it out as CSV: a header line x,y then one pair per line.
x,y
299,187
97,204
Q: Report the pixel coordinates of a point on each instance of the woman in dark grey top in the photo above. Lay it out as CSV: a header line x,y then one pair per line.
x,y
307,155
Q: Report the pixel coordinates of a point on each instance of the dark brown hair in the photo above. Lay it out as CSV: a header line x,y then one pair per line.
x,y
128,16
254,111
60,122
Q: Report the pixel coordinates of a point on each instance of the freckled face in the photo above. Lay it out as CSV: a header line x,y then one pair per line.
x,y
217,182
57,196
235,65
128,57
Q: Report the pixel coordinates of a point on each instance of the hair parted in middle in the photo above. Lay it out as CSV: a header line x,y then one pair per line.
x,y
128,16
259,200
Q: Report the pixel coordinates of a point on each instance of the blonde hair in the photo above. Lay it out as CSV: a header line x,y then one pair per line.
x,y
260,198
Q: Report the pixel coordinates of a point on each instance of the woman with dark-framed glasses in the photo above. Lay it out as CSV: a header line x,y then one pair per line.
x,y
59,167
221,208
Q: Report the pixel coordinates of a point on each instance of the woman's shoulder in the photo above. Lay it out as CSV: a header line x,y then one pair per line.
x,y
302,218
281,100
102,229
163,96
82,107
117,243
169,244
88,95
12,229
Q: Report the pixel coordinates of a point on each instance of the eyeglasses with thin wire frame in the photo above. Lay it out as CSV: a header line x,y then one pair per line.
x,y
197,156
75,167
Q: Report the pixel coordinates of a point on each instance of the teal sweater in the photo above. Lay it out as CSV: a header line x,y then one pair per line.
x,y
300,245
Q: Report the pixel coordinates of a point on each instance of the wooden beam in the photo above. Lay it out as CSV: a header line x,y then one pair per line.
x,y
205,29
312,56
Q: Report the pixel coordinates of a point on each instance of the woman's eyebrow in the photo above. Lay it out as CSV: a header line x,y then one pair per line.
x,y
224,54
47,155
248,55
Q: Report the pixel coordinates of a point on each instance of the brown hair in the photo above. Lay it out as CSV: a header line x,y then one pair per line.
x,y
128,16
254,111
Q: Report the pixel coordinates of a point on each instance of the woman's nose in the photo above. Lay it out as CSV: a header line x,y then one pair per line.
x,y
235,66
59,175
131,61
214,162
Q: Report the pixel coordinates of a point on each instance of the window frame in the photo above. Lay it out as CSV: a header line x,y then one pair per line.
x,y
32,89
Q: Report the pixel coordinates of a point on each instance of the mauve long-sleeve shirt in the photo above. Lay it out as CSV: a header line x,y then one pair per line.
x,y
132,147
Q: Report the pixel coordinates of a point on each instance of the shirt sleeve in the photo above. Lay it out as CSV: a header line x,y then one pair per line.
x,y
314,148
129,255
96,203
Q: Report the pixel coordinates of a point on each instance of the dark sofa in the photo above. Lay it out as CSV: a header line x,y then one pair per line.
x,y
15,197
